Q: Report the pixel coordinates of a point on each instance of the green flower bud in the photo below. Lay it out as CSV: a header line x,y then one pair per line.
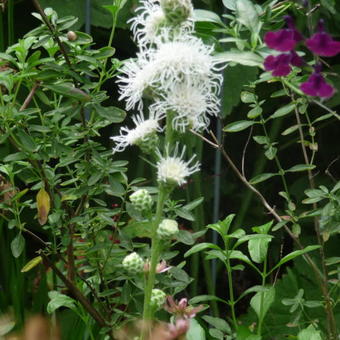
x,y
133,263
157,298
141,200
149,143
167,229
177,11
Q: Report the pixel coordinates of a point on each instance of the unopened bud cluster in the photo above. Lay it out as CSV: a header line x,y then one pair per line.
x,y
133,263
176,11
167,229
157,298
141,200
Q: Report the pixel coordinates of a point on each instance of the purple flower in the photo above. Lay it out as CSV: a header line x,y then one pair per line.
x,y
316,85
281,65
321,43
283,40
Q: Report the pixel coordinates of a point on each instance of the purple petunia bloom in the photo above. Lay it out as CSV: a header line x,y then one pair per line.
x,y
283,40
321,43
316,85
281,65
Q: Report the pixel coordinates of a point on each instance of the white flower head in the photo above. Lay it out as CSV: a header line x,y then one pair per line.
x,y
151,23
143,129
191,103
173,169
185,59
148,23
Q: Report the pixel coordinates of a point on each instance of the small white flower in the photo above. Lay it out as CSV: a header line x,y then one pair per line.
x,y
191,104
143,129
173,169
133,263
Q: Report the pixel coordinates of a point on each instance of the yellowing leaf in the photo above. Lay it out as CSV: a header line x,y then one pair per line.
x,y
43,205
31,264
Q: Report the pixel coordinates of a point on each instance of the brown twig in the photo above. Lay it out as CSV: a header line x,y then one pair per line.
x,y
52,30
29,97
77,293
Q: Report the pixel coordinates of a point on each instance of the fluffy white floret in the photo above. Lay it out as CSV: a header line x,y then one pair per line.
x,y
173,169
142,130
161,69
191,104
150,25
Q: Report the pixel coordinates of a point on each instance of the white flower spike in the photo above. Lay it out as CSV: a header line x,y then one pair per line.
x,y
173,169
143,129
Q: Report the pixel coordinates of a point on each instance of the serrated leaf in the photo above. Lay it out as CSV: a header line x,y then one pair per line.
x,y
283,111
238,126
31,264
301,167
262,177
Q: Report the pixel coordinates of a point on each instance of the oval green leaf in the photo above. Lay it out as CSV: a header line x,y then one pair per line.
x,y
238,126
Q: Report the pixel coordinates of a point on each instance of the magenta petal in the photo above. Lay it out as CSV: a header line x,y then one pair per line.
x,y
326,90
270,63
281,71
322,44
281,40
296,60
317,86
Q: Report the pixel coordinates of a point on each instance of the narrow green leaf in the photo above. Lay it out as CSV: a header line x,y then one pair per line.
x,y
69,91
301,167
290,130
282,111
59,300
204,298
207,16
262,177
230,4
295,254
201,246
239,57
218,323
27,141
238,126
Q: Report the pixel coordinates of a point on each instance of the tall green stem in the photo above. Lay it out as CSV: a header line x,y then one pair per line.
x,y
261,316
232,301
155,241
